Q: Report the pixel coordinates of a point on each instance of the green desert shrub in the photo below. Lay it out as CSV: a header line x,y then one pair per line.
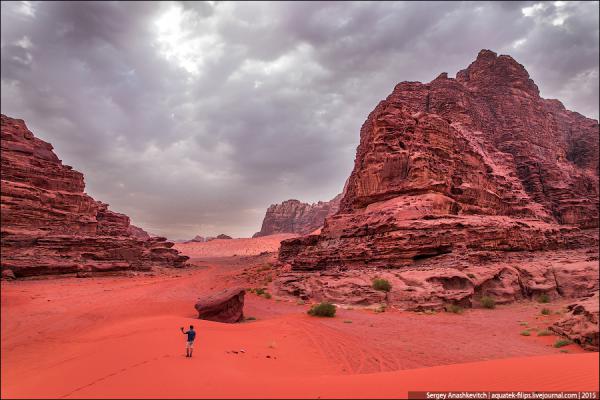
x,y
470,275
525,333
544,332
322,310
382,284
488,302
257,291
543,298
562,342
381,308
546,311
266,295
453,308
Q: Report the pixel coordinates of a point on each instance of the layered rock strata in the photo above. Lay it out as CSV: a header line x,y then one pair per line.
x,y
51,226
293,216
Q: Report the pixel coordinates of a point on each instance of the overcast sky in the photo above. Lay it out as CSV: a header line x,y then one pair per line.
x,y
192,118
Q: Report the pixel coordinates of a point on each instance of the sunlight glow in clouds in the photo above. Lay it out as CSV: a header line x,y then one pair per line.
x,y
183,46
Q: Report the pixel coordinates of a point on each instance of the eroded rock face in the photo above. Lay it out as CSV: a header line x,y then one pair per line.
x,y
476,165
225,306
448,279
581,323
50,226
293,216
138,232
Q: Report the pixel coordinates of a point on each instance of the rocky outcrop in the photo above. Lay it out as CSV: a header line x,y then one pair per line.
x,y
581,323
431,284
197,239
225,306
50,226
202,239
293,216
138,232
476,166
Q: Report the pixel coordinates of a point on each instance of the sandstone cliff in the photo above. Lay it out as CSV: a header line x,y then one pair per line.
x,y
293,216
476,166
139,232
50,226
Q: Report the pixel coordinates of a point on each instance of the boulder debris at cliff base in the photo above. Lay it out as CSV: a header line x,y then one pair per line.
x,y
580,324
51,226
454,173
224,306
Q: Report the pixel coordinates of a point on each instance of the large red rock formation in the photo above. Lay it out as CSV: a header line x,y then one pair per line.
x,y
293,216
479,164
50,226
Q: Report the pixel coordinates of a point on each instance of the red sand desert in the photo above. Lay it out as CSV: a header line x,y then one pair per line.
x,y
233,247
114,337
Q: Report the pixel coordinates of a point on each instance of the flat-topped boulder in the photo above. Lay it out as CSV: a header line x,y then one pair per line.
x,y
224,306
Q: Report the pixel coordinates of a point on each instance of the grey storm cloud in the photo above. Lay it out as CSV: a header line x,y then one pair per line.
x,y
193,117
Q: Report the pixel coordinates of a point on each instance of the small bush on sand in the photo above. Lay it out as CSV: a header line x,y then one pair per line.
x,y
546,311
453,308
488,302
523,323
381,308
543,298
301,302
472,276
526,333
562,342
544,332
322,310
382,284
267,295
250,319
257,291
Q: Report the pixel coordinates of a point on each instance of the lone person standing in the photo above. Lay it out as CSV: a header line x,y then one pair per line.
x,y
191,335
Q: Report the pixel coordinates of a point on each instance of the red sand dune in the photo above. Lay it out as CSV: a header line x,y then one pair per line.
x,y
115,337
231,247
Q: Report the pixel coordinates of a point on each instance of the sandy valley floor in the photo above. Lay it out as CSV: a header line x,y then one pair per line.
x,y
119,336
